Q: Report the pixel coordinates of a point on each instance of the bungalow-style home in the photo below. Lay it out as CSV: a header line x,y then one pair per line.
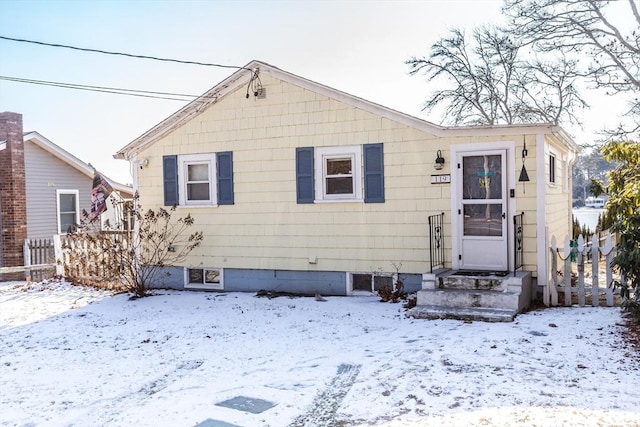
x,y
302,188
43,189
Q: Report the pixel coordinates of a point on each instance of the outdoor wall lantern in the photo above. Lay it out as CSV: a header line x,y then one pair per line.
x,y
439,163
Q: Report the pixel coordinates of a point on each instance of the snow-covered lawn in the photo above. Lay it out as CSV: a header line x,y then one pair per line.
x,y
82,357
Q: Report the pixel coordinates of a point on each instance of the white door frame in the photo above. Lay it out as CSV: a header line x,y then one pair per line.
x,y
456,196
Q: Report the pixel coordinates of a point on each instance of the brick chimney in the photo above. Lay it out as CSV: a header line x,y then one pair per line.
x,y
13,197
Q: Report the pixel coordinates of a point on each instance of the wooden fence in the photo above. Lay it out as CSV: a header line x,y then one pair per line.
x,y
78,260
581,272
39,259
93,262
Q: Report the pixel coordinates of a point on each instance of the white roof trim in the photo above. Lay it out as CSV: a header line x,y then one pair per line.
x,y
69,158
3,145
242,76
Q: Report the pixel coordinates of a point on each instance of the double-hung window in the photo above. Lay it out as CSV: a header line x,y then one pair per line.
x,y
195,175
339,175
198,179
68,210
343,173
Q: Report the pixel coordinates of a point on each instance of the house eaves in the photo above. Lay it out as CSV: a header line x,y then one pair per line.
x,y
3,145
63,155
242,77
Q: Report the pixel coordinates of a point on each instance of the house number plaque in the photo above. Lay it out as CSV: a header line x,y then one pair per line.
x,y
441,179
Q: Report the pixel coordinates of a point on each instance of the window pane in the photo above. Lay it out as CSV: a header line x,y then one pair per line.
x,y
338,166
67,203
195,275
483,220
198,191
340,185
362,282
382,283
212,276
67,222
482,177
198,172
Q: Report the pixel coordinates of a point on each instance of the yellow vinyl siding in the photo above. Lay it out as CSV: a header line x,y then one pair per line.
x,y
267,229
527,200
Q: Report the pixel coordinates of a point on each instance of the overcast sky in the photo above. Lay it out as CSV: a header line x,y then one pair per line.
x,y
355,46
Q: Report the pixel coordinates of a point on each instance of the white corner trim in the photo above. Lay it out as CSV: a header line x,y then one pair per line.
x,y
541,213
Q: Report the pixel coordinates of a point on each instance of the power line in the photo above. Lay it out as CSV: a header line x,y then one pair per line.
x,y
103,89
130,55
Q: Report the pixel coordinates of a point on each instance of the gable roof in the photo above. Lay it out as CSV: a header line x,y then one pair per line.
x,y
68,158
246,73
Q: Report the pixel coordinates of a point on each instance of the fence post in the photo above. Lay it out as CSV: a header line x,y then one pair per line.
x,y
567,270
59,257
580,264
595,259
608,248
26,255
551,291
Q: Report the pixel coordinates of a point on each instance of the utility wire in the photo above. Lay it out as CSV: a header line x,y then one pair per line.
x,y
117,91
130,55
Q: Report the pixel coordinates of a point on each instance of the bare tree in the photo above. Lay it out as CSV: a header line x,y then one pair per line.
x,y
105,256
585,28
491,84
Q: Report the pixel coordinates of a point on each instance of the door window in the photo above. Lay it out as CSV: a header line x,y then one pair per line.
x,y
482,195
482,177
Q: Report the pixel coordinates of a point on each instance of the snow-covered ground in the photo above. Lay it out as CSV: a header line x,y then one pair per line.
x,y
73,356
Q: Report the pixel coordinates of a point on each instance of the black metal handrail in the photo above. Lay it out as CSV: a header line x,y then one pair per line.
x,y
436,240
518,242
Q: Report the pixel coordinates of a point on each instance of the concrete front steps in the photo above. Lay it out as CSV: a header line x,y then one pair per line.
x,y
468,296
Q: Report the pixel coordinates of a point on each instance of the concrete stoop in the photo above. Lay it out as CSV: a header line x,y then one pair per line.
x,y
434,312
469,296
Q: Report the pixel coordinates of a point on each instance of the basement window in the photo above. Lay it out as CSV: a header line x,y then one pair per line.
x,y
203,278
371,282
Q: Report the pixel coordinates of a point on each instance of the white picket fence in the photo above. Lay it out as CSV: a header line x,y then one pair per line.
x,y
581,263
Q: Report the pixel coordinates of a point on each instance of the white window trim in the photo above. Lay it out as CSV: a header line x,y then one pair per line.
x,y
183,161
204,286
322,153
58,193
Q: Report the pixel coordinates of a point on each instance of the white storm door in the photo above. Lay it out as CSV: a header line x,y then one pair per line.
x,y
482,211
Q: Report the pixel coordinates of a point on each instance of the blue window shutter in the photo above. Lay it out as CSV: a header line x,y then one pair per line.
x,y
224,175
304,175
373,173
170,179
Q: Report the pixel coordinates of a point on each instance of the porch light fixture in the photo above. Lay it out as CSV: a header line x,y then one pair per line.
x,y
439,163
